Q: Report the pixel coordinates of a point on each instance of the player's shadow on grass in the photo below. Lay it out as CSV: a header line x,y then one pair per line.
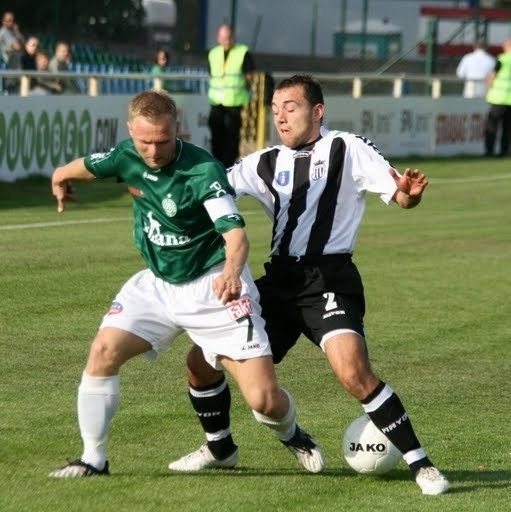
x,y
477,479
247,471
250,472
35,191
498,479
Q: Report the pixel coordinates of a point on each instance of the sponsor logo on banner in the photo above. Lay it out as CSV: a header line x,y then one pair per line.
x,y
414,123
453,128
282,178
39,139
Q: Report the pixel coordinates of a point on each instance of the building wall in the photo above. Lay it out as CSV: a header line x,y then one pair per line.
x,y
286,26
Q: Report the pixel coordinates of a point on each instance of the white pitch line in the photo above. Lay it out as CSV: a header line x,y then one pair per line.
x,y
433,181
61,223
75,222
474,179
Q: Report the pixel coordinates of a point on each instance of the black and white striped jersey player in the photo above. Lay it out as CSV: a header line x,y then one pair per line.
x,y
313,187
315,194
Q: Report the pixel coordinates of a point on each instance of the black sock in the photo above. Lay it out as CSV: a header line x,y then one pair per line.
x,y
421,463
212,404
386,411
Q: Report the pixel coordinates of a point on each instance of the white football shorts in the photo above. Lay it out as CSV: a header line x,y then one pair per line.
x,y
158,312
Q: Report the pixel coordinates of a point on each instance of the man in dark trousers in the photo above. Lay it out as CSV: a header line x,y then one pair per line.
x,y
231,67
499,99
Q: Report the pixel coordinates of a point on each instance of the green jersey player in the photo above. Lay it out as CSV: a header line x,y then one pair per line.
x,y
172,207
191,236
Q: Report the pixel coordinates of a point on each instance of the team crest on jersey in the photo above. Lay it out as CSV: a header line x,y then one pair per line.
x,y
318,170
169,206
282,178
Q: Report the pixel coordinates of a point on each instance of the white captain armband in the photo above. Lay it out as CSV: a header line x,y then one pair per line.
x,y
224,213
221,207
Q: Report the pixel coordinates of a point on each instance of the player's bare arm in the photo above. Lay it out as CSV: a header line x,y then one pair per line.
x,y
227,285
410,187
62,178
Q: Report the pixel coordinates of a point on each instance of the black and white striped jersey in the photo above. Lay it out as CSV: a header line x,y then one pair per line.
x,y
315,195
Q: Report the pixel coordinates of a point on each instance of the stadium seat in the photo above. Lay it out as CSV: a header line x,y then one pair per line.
x,y
88,58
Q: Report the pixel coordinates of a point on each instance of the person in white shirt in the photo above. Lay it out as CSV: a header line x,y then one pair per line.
x,y
474,67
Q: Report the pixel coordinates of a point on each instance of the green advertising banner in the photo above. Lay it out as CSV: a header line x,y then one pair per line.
x,y
38,134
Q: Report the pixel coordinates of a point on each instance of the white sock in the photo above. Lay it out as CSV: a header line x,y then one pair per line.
x,y
284,428
98,399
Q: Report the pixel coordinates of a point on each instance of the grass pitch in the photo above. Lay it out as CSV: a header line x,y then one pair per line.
x,y
437,284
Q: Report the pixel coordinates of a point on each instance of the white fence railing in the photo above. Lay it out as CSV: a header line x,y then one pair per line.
x,y
98,83
356,85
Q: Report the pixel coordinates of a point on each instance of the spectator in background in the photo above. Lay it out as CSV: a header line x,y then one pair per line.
x,y
41,85
499,99
231,67
11,47
61,62
11,39
161,66
474,67
24,59
28,57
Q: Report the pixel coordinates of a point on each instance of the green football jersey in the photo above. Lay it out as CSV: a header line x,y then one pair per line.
x,y
172,229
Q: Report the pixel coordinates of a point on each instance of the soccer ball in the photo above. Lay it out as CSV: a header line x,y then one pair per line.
x,y
367,450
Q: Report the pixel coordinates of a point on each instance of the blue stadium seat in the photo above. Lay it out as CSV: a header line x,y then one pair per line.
x,y
91,59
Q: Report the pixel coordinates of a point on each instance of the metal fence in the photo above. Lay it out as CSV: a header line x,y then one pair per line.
x,y
96,80
103,81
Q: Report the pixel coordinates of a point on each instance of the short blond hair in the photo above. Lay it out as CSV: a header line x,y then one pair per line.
x,y
152,105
